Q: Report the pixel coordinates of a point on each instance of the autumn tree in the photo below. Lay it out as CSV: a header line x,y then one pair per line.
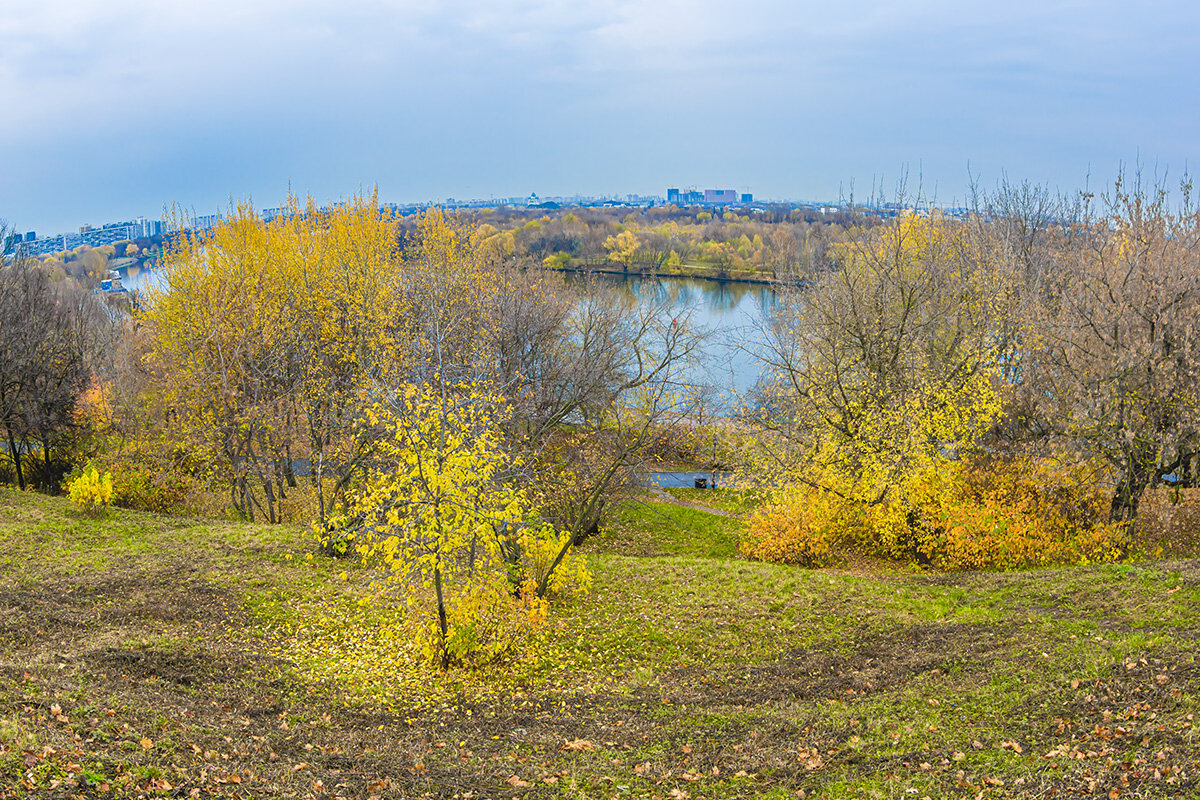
x,y
266,334
884,367
622,247
1114,366
45,344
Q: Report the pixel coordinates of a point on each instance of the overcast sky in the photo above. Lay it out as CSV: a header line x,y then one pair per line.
x,y
112,109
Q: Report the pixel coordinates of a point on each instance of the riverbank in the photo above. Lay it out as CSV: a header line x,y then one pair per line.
x,y
694,271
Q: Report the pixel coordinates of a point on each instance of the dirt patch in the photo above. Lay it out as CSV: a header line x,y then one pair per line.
x,y
64,610
174,666
876,661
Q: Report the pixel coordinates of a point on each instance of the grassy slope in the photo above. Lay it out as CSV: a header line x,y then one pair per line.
x,y
136,657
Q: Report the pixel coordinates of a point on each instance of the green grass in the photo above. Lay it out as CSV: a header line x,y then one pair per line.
x,y
175,649
736,501
656,528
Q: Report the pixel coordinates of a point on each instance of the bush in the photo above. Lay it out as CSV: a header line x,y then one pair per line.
x,y
529,553
980,514
1020,513
802,528
148,487
487,625
91,490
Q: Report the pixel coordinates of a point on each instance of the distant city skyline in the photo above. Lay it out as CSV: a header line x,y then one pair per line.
x,y
114,110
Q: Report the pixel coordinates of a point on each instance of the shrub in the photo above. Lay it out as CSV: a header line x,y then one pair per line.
x,y
91,490
529,552
801,528
1021,513
979,514
148,487
487,625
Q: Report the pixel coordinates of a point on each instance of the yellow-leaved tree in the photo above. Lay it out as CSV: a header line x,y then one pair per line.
x,y
879,375
268,334
435,510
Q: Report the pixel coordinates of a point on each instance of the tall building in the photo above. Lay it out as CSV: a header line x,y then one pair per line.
x,y
720,196
673,196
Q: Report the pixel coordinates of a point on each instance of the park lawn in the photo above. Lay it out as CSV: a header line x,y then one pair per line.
x,y
145,655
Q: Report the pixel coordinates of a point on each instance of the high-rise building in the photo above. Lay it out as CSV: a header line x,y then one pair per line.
x,y
720,196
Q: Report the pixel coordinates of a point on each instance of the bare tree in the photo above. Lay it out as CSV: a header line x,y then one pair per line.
x,y
1118,374
44,344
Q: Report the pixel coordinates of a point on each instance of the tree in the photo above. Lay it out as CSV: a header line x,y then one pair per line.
x,y
268,335
1114,369
432,500
884,367
622,247
44,346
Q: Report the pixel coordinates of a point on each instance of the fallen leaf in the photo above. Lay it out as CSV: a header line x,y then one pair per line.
x,y
579,744
515,781
146,743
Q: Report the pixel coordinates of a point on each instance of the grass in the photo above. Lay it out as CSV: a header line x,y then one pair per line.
x,y
651,527
143,655
741,502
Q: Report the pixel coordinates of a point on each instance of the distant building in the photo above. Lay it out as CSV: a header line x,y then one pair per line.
x,y
719,197
673,196
205,222
747,198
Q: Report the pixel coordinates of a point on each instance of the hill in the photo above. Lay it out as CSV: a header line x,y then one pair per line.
x,y
145,655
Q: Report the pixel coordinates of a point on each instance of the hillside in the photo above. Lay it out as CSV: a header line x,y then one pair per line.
x,y
156,656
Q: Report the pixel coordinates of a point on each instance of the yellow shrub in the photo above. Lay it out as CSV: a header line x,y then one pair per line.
x,y
1012,514
799,529
486,625
980,514
91,490
538,547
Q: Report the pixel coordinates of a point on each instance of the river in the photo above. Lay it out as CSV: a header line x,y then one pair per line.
x,y
733,315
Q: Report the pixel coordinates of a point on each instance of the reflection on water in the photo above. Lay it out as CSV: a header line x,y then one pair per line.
x,y
139,279
733,314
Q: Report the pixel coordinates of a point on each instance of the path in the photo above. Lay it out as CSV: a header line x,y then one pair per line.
x,y
664,495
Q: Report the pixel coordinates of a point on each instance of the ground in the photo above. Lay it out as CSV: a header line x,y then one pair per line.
x,y
155,656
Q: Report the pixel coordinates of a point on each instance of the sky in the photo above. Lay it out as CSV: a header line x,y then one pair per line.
x,y
114,109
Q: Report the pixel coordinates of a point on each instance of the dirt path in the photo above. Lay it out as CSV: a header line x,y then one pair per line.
x,y
665,496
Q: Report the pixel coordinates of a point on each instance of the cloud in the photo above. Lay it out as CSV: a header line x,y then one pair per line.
x,y
435,98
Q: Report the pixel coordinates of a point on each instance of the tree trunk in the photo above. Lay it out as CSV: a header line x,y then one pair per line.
x,y
16,458
443,626
1128,495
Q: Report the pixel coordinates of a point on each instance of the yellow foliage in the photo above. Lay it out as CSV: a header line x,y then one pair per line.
x,y
538,546
487,624
801,528
956,516
436,510
91,490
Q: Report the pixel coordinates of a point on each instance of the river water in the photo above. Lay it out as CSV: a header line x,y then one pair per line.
x,y
734,317
732,314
